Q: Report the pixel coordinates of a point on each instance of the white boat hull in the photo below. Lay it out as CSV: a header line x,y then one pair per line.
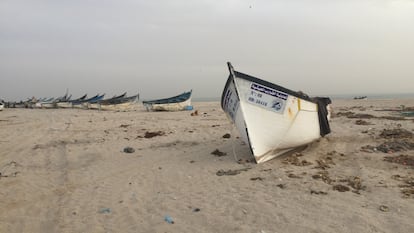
x,y
64,105
132,105
170,106
80,106
48,105
271,121
119,107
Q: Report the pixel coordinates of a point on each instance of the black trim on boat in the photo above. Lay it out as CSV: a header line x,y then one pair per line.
x,y
175,99
322,102
229,79
262,82
250,144
273,86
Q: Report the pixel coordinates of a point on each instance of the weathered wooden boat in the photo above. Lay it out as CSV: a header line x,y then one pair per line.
x,y
45,102
54,101
120,104
271,119
20,104
69,103
85,103
175,103
97,104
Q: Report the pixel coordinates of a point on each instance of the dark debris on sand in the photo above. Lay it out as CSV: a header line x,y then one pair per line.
x,y
389,147
361,116
407,187
243,161
345,114
341,188
353,115
318,192
195,113
149,134
218,153
355,183
401,140
230,172
395,146
324,176
352,183
362,122
394,118
129,149
324,163
396,133
294,160
406,160
257,178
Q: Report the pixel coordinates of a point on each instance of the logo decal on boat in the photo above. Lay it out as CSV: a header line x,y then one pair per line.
x,y
266,97
269,91
277,105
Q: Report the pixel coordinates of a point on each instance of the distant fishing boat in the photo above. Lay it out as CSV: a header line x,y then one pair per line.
x,y
97,104
175,103
360,97
85,103
271,119
117,103
69,103
46,103
52,103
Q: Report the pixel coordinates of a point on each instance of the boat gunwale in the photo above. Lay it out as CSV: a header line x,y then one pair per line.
x,y
123,100
175,99
262,82
110,100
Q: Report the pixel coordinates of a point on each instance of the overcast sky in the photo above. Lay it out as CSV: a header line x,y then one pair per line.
x,y
160,48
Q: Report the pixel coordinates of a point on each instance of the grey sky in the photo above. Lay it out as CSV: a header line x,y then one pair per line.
x,y
161,48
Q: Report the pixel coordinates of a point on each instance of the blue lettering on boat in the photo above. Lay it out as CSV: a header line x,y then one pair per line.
x,y
268,91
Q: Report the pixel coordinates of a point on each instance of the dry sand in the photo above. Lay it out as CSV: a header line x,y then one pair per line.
x,y
65,170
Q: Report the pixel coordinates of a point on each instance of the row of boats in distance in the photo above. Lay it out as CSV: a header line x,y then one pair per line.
x,y
272,120
119,102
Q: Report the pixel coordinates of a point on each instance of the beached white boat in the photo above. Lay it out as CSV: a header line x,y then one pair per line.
x,y
70,103
52,102
64,104
175,103
46,103
97,103
271,119
85,103
1,106
119,103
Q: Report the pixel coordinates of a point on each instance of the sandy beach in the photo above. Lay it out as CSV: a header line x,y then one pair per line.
x,y
65,170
